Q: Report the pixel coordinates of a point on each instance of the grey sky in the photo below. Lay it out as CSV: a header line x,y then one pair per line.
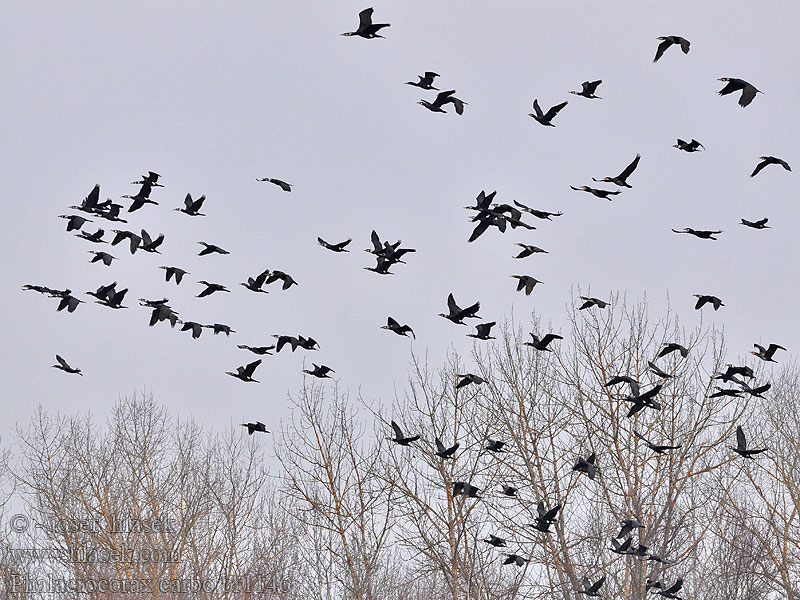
x,y
213,95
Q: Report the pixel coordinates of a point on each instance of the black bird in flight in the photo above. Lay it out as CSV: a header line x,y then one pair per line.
x,y
457,314
150,245
669,40
462,488
75,221
591,589
260,350
617,379
287,279
320,371
703,234
468,378
96,237
760,224
588,89
656,371
672,591
220,328
394,326
443,98
286,187
121,235
546,118
64,366
673,347
644,400
494,445
528,250
482,331
734,85
366,28
425,81
741,445
495,541
703,299
657,448
621,180
509,490
210,249
731,372
766,353
400,438
253,427
621,547
541,344
192,207
526,282
596,192
69,302
176,272
193,326
769,160
443,452
545,518
104,256
211,288
340,247
515,559
589,302
689,146
587,465
141,198
254,284
245,373
627,526
150,179
539,214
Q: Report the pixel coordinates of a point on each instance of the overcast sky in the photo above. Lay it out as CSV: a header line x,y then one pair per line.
x,y
214,95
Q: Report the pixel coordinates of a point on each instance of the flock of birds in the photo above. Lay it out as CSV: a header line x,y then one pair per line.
x,y
488,213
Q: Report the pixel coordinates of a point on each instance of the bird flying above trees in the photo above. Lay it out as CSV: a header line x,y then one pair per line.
x,y
482,331
526,282
245,373
253,427
766,353
64,366
703,299
467,379
319,371
542,343
673,347
587,465
741,445
443,452
394,326
588,302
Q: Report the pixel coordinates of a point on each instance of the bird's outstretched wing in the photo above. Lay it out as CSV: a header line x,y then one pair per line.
x,y
554,110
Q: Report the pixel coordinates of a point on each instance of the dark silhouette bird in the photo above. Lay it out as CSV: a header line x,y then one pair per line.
x,y
621,547
192,207
110,212
211,288
141,198
121,235
669,40
69,302
443,452
703,234
150,179
726,393
542,343
467,379
220,328
509,490
443,98
539,214
102,256
741,445
176,272
320,371
766,353
761,224
588,89
366,28
515,559
150,245
622,179
495,541
400,438
545,118
90,203
260,350
754,391
210,249
307,343
193,326
286,187
494,445
287,279
382,267
639,551
394,326
457,314
769,160
64,366
732,371
588,302
75,221
527,250
627,526
671,591
673,347
340,247
43,289
253,427
286,339
254,285
659,559
644,400
545,517
482,331
688,146
703,299
587,465
114,299
656,371
617,379
245,373
163,312
657,448
591,589
526,282
596,192
425,81
734,85
104,291
96,237
462,488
